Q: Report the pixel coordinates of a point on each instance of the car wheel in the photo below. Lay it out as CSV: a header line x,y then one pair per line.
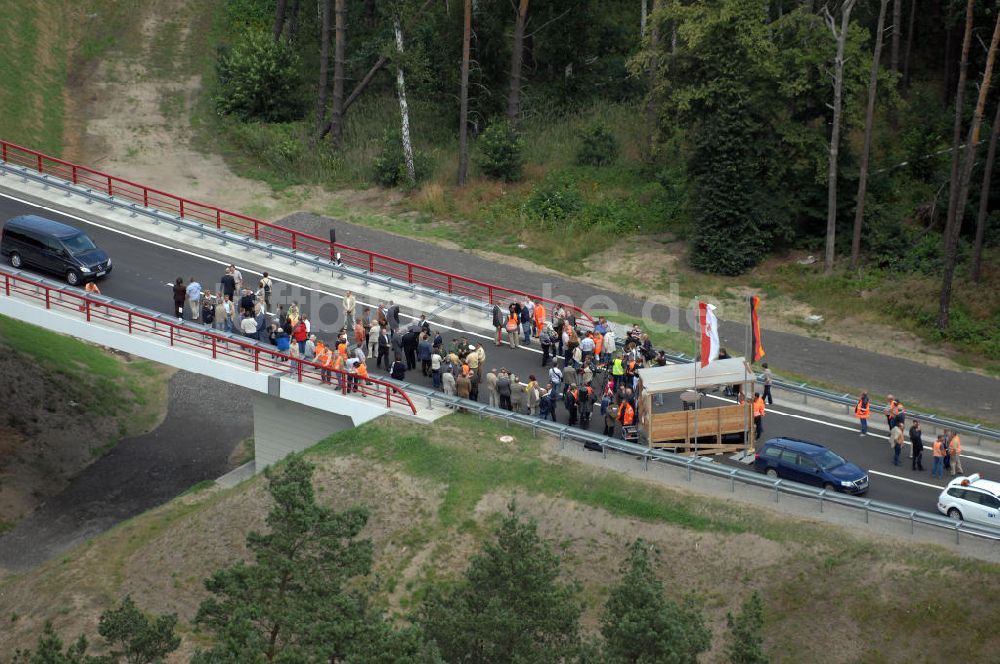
x,y
15,260
829,487
955,514
772,473
72,278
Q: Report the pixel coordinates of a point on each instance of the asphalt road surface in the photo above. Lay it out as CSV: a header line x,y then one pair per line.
x,y
143,271
967,394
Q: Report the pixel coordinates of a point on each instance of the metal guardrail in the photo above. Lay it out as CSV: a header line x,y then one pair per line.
x,y
709,467
102,308
220,219
215,344
226,237
310,258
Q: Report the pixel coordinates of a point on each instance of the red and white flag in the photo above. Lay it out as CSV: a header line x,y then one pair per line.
x,y
709,328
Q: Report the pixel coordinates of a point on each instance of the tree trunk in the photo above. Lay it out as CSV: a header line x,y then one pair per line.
x,y
642,20
324,60
909,44
968,161
516,56
946,75
463,127
279,19
375,69
651,120
859,212
953,187
984,199
293,21
404,111
369,11
838,89
897,28
339,49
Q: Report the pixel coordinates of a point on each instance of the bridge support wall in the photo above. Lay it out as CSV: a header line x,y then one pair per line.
x,y
283,427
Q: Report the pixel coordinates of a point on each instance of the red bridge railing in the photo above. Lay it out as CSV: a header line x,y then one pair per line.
x,y
214,344
371,261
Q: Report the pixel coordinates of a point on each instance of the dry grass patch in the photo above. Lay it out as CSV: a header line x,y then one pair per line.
x,y
435,493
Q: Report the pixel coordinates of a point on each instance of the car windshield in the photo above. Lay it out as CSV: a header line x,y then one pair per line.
x,y
828,460
79,244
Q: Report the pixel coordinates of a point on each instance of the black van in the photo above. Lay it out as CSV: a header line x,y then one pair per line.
x,y
45,244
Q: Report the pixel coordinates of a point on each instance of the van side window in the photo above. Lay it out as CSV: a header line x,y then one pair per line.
x,y
772,452
790,457
30,240
807,463
52,244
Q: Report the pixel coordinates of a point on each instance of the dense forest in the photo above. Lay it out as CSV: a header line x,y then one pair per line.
x,y
865,131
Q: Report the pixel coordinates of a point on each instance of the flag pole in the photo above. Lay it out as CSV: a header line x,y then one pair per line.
x,y
697,395
746,337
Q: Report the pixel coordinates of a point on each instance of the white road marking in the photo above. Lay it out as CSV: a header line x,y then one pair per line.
x,y
905,479
446,327
218,262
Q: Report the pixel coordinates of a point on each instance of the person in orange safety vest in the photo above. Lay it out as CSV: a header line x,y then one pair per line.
x,y
862,410
758,415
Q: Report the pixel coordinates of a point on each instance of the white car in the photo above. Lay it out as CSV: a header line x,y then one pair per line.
x,y
971,499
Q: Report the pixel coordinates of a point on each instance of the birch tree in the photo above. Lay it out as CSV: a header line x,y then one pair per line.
x,y
838,92
463,126
404,110
859,212
516,61
968,161
369,76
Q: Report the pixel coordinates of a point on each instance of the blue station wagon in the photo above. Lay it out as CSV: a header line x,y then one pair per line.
x,y
808,463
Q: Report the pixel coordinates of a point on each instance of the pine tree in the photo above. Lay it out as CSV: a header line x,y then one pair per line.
x,y
746,640
290,603
728,236
510,606
135,637
640,625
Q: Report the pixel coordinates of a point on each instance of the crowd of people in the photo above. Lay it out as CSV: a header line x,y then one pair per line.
x,y
946,449
582,371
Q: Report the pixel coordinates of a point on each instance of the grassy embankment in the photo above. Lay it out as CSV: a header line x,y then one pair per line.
x,y
105,385
829,595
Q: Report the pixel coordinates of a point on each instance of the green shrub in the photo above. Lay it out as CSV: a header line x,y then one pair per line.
x,y
551,202
501,152
598,147
389,167
280,145
260,79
